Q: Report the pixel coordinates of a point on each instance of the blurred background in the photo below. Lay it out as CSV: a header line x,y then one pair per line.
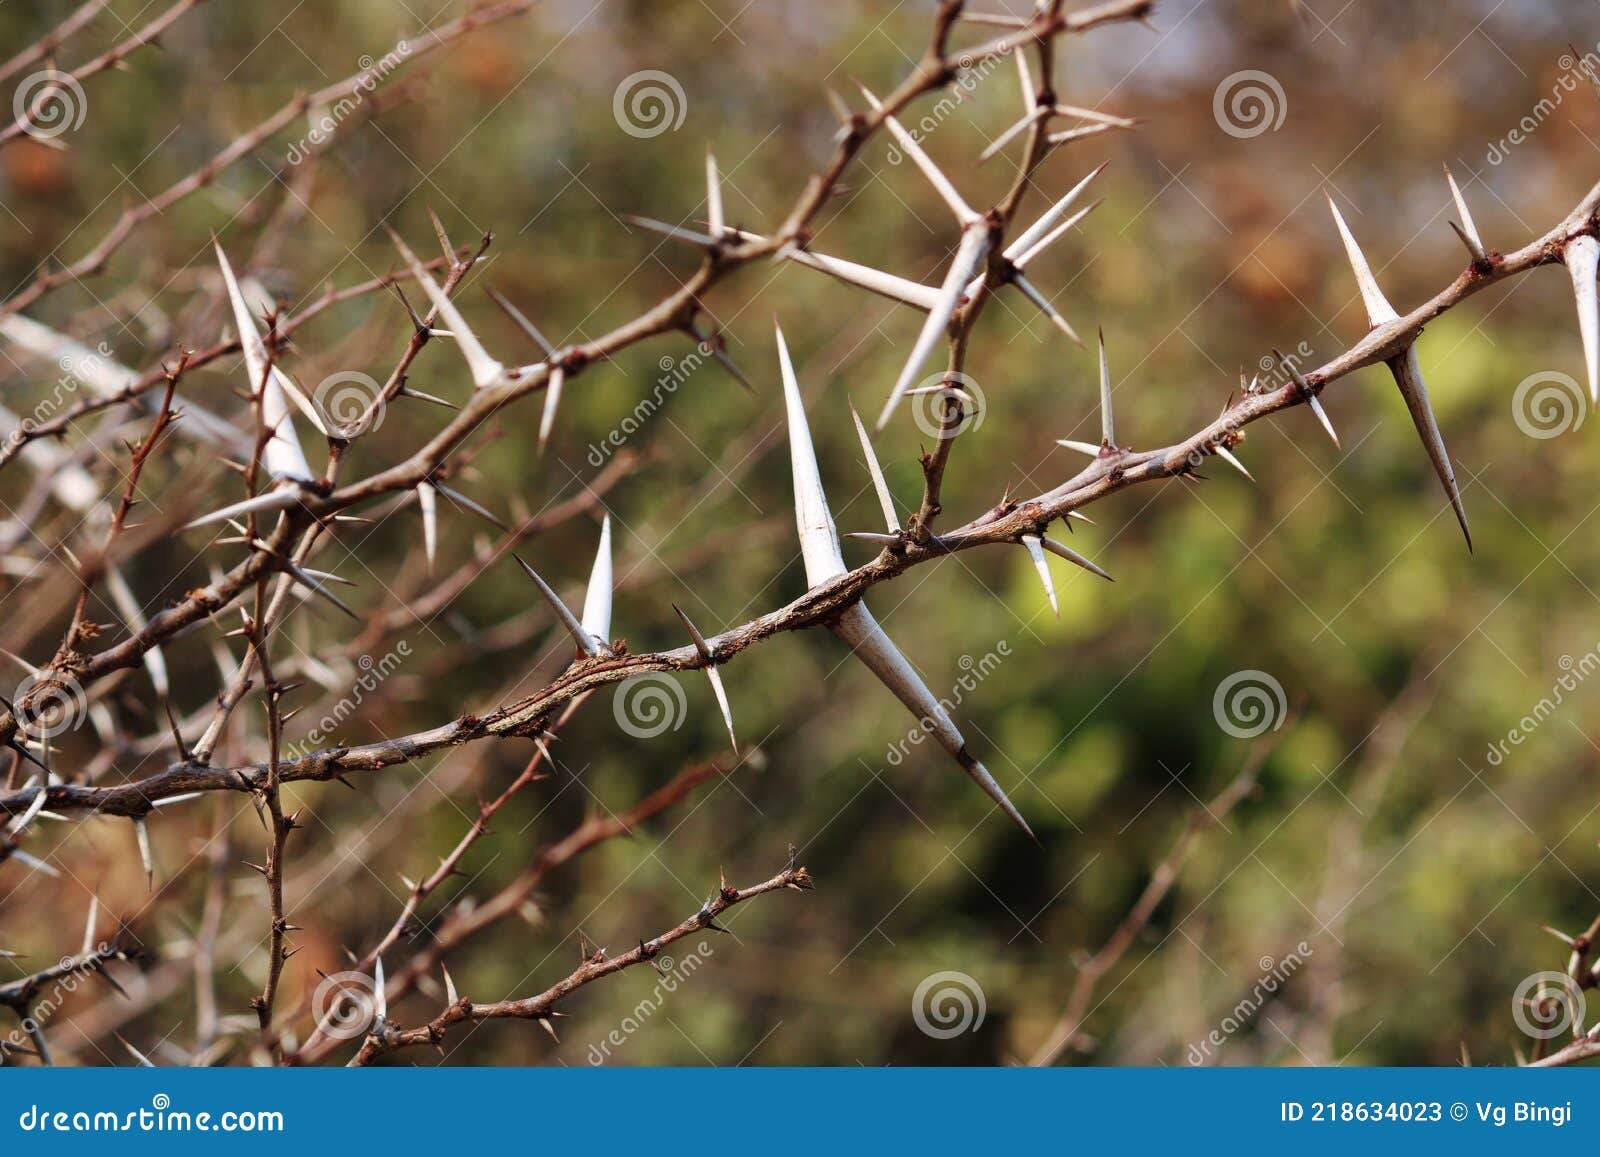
x,y
1376,898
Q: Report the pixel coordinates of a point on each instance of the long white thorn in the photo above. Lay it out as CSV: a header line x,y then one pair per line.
x,y
965,214
879,484
819,538
552,400
969,257
521,321
597,598
141,835
1031,235
672,231
1042,565
1031,292
127,605
1073,557
1379,311
901,289
428,502
1055,234
1468,229
484,369
1227,456
1408,376
89,942
1582,257
1030,91
1310,395
570,621
867,640
1017,128
282,497
282,455
713,196
1108,432
705,652
1088,448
